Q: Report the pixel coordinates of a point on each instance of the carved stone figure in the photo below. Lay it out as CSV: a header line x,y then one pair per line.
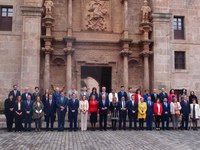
x,y
48,6
96,15
145,11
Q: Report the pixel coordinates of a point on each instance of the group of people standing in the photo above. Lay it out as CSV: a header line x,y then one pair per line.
x,y
137,107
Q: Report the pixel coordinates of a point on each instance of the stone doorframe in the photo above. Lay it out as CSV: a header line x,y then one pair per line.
x,y
79,64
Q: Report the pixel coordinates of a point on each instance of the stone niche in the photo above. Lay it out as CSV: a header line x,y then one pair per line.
x,y
96,15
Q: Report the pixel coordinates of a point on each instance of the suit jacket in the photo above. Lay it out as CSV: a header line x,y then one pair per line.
x,y
101,105
146,96
19,110
60,103
166,108
155,108
150,110
13,94
119,94
153,98
73,105
142,108
197,111
132,107
100,95
7,105
24,96
185,108
28,107
50,110
34,95
162,96
120,106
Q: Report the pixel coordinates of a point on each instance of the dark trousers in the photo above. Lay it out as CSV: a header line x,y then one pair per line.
x,y
28,119
122,119
114,123
103,118
184,121
50,118
9,121
157,121
38,124
141,123
149,121
73,120
165,119
18,123
61,120
132,117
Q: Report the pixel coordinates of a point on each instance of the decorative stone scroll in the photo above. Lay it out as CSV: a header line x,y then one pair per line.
x,y
97,15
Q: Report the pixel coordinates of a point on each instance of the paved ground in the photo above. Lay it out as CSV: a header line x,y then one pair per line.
x,y
101,140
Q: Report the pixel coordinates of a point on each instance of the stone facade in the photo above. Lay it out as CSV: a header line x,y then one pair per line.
x,y
49,43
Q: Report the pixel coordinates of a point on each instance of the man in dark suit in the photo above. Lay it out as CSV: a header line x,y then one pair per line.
x,y
132,107
163,95
154,96
9,112
122,113
50,112
185,112
15,92
36,93
61,110
25,94
73,111
149,113
28,112
103,93
122,93
103,111
165,114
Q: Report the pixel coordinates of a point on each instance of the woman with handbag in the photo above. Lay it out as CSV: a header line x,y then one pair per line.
x,y
38,113
175,108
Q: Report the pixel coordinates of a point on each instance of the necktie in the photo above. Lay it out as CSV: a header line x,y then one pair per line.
x,y
165,104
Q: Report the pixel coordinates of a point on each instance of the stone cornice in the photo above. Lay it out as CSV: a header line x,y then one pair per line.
x,y
69,39
161,16
31,10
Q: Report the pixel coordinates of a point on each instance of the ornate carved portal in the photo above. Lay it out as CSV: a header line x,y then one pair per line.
x,y
97,15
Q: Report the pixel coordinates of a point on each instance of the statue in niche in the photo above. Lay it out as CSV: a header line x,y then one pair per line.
x,y
145,11
48,4
96,15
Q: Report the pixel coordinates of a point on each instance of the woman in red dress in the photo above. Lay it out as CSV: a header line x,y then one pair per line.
x,y
93,110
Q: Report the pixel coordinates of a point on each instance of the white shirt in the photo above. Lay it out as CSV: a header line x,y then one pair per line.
x,y
110,96
19,106
158,105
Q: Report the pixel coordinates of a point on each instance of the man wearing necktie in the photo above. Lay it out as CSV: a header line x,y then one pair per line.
x,y
163,95
122,93
185,112
122,113
73,111
149,113
61,110
28,105
132,107
103,111
165,114
15,92
50,112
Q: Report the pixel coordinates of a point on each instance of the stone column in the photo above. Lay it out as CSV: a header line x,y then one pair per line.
x,y
146,55
47,70
125,2
69,30
69,69
30,55
125,54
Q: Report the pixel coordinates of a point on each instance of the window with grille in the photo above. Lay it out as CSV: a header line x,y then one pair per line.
x,y
180,60
6,18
